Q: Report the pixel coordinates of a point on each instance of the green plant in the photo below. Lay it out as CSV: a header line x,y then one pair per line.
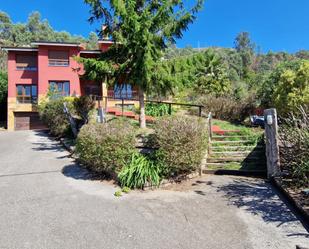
x,y
156,109
118,193
52,113
83,106
126,190
106,148
139,171
182,142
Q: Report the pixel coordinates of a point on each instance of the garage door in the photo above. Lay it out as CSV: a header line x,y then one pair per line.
x,y
28,121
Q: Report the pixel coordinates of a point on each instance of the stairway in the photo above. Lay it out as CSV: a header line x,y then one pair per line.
x,y
233,151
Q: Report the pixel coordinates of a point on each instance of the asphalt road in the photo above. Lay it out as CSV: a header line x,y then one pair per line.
x,y
46,201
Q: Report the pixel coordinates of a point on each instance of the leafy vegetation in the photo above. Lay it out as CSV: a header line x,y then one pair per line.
x,y
182,142
156,110
51,112
84,106
3,86
106,148
140,171
141,31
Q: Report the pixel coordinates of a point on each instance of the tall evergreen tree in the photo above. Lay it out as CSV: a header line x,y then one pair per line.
x,y
245,47
141,30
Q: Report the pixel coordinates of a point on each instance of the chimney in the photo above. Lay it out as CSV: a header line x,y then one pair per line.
x,y
104,32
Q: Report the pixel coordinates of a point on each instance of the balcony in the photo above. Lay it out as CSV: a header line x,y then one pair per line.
x,y
26,100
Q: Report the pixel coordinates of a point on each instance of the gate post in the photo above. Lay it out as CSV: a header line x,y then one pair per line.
x,y
272,143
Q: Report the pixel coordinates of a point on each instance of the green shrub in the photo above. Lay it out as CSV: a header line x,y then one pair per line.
x,y
140,171
52,114
228,108
156,109
182,142
83,106
106,148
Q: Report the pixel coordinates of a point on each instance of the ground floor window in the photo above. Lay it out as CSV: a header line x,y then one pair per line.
x,y
26,93
59,88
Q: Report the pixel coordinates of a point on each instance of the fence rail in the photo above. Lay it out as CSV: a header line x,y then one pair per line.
x,y
105,99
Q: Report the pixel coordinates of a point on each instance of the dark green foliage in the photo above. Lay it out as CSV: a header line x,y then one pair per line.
x,y
106,148
182,142
140,171
51,112
156,110
83,106
3,86
141,31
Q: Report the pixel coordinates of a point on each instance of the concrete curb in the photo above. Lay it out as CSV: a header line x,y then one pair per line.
x,y
276,182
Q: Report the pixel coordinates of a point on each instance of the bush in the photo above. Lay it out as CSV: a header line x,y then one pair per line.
x,y
140,171
229,109
182,142
156,110
106,148
83,106
52,114
294,148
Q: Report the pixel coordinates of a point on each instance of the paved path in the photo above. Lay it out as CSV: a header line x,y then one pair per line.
x,y
47,202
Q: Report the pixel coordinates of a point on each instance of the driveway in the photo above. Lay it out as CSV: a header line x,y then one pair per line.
x,y
46,201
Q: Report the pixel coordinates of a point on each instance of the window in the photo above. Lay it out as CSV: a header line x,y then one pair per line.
x,y
26,62
26,94
92,90
58,58
123,91
60,88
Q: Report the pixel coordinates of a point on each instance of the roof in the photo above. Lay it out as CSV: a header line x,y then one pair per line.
x,y
91,52
24,49
105,41
50,43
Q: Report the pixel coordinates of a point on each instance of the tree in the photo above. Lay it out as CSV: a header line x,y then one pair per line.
x,y
3,86
141,30
245,47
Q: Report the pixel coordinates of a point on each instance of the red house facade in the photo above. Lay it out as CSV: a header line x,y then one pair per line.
x,y
32,71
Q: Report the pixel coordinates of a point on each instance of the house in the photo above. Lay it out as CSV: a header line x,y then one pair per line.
x,y
33,71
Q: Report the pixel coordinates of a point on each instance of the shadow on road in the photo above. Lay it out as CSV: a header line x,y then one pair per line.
x,y
44,146
260,198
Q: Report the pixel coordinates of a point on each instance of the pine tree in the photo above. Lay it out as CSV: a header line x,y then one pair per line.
x,y
141,30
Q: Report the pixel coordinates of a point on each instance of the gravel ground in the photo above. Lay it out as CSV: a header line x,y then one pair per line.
x,y
46,201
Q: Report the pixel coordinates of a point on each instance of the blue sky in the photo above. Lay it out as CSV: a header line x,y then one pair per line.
x,y
276,25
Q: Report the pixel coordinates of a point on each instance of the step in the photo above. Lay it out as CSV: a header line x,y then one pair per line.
x,y
238,148
220,138
257,160
235,153
231,142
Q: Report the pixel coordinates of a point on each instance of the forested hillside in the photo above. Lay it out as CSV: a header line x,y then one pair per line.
x,y
239,79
